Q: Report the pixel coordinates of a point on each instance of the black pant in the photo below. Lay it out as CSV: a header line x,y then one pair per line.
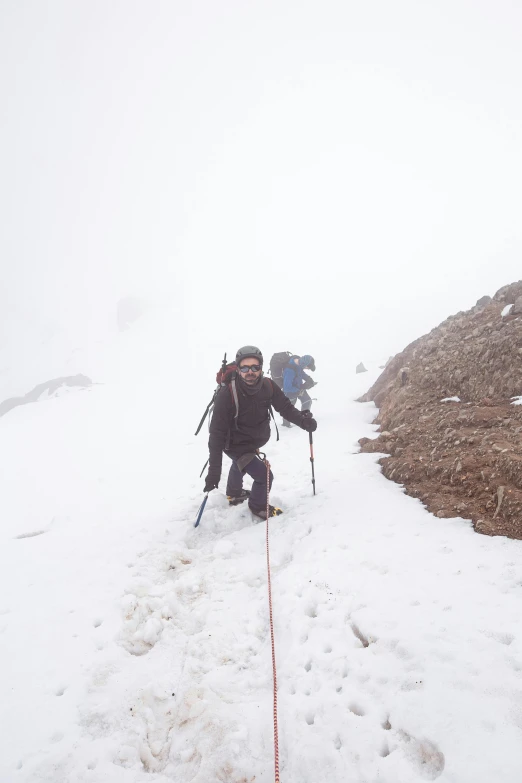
x,y
257,469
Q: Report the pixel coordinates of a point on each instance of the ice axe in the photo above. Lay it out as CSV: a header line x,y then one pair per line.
x,y
201,510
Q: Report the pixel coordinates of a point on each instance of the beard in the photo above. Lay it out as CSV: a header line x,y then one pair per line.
x,y
253,384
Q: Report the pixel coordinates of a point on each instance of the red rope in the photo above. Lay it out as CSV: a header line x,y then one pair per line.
x,y
276,737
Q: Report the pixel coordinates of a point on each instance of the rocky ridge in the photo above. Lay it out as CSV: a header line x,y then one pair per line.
x,y
45,390
448,421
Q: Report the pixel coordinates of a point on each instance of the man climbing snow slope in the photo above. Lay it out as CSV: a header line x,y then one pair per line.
x,y
240,426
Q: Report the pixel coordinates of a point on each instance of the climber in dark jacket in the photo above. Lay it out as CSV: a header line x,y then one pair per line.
x,y
240,426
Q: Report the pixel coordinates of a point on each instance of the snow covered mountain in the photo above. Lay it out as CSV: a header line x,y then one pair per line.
x,y
136,648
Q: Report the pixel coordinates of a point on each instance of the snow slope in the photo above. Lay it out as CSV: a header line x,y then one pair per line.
x,y
136,648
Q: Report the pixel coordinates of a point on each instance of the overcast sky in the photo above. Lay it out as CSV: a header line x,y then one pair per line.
x,y
347,170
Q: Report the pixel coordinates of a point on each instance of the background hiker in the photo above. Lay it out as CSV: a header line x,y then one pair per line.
x,y
240,426
296,382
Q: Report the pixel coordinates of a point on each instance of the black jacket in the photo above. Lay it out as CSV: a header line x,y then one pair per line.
x,y
253,422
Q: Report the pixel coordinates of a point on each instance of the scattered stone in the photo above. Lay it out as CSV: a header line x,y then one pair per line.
x,y
517,307
360,368
500,498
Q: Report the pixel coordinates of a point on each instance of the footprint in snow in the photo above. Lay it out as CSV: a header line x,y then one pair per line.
x,y
424,755
501,636
362,638
411,685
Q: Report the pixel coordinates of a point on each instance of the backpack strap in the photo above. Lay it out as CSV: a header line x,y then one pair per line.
x,y
271,409
233,392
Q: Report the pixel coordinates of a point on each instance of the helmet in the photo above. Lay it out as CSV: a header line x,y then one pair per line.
x,y
308,362
249,351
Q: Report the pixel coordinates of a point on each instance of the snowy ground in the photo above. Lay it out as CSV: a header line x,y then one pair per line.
x,y
135,648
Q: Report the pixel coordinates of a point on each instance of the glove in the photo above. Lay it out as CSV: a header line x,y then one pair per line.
x,y
211,481
308,423
309,383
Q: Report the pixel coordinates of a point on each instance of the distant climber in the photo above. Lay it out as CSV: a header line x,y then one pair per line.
x,y
296,382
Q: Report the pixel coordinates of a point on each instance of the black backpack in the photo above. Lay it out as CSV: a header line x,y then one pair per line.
x,y
278,362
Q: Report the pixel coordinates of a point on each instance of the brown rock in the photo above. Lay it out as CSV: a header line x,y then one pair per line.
x,y
460,459
517,306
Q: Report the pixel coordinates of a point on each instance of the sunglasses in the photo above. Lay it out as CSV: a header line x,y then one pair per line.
x,y
248,367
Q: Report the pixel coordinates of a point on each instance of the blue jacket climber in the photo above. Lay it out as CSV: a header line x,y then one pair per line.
x,y
296,382
294,377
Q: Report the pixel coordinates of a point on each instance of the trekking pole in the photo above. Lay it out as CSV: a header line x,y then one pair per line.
x,y
312,458
201,510
203,468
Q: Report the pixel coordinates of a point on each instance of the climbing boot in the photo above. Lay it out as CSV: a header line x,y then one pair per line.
x,y
273,511
235,500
